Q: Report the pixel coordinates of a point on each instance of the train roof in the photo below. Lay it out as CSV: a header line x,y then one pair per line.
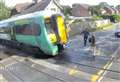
x,y
35,14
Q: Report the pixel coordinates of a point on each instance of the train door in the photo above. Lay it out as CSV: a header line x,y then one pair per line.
x,y
36,30
12,31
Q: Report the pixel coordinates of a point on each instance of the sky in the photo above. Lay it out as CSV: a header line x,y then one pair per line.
x,y
68,2
12,3
91,2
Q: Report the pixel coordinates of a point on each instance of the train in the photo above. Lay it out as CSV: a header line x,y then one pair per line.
x,y
42,30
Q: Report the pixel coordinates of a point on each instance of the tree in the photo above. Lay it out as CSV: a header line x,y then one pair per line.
x,y
103,4
118,6
67,10
4,11
95,10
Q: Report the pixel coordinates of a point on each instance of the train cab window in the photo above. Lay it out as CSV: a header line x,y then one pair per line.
x,y
48,26
50,30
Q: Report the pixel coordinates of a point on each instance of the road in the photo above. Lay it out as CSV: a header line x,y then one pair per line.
x,y
75,64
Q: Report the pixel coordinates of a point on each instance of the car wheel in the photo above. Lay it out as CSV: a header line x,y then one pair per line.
x,y
117,34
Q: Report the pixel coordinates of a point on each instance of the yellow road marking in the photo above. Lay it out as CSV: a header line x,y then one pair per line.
x,y
105,72
110,26
72,72
96,76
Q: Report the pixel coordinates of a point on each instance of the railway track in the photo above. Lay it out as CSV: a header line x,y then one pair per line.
x,y
76,64
11,63
66,64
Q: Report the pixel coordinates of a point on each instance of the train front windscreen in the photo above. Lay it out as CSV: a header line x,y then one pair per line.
x,y
56,29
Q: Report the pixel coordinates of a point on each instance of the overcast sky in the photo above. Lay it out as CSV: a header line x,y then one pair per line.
x,y
92,2
68,2
14,2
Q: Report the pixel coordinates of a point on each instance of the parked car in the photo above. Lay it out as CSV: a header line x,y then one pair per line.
x,y
117,33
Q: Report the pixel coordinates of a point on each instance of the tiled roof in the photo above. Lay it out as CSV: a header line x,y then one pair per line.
x,y
22,6
37,7
86,6
25,8
111,11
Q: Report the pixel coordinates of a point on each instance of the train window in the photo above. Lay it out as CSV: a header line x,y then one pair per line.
x,y
48,26
4,29
27,29
24,29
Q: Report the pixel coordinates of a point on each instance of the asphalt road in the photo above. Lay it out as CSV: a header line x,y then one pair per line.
x,y
75,64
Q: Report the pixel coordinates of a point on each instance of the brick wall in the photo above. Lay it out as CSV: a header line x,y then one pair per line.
x,y
80,10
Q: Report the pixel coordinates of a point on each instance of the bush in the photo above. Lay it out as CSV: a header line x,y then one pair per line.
x,y
105,16
4,11
96,17
117,17
113,18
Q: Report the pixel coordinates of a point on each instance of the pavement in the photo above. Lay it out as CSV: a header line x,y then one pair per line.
x,y
75,64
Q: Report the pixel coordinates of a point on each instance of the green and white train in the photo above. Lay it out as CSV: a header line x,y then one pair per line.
x,y
40,29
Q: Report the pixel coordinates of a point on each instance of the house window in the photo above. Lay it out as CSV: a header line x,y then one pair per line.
x,y
53,9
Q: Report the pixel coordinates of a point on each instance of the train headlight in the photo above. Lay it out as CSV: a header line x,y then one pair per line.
x,y
52,38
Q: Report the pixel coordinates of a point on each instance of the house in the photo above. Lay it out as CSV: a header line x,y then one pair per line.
x,y
108,10
12,3
52,5
20,7
80,10
118,8
39,5
103,11
119,11
23,6
115,10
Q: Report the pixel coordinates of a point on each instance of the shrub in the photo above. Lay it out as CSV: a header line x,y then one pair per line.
x,y
96,17
4,11
117,17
